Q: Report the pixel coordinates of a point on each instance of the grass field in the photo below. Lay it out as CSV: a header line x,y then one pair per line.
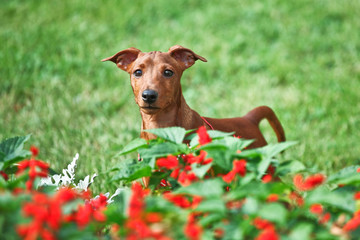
x,y
302,58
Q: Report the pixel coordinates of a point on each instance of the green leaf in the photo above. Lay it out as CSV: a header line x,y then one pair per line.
x,y
130,170
200,170
269,152
162,150
212,205
292,166
142,172
210,218
214,146
301,231
251,206
235,144
207,188
254,189
221,158
273,149
11,150
348,175
251,154
133,146
274,212
117,210
172,134
339,198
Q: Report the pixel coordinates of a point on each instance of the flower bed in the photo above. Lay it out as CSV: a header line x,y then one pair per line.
x,y
210,188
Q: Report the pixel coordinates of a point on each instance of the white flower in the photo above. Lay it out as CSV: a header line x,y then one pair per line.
x,y
67,178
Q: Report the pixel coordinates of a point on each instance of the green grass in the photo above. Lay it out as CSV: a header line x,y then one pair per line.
x,y
302,58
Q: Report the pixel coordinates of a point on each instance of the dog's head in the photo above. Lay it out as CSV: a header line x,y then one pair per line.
x,y
155,76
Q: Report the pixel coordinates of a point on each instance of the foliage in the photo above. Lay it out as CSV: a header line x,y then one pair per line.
x,y
214,190
301,57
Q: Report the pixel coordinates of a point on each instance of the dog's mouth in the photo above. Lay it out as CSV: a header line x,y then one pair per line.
x,y
149,107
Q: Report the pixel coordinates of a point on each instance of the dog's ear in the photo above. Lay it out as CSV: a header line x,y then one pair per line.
x,y
124,58
184,55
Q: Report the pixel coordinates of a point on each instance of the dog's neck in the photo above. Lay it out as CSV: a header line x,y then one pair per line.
x,y
176,114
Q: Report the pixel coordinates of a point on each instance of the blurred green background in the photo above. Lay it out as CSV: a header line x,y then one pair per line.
x,y
302,58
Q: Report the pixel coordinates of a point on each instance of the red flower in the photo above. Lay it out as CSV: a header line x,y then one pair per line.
x,y
353,223
185,179
296,198
316,209
138,225
4,175
178,200
190,158
196,201
170,162
325,218
229,177
99,202
266,178
204,137
175,174
267,234
192,230
235,204
219,233
357,196
34,166
34,151
239,167
153,217
136,204
310,183
268,229
83,215
47,217
272,197
47,235
65,195
261,224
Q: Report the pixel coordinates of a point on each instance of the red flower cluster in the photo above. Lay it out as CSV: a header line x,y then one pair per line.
x,y
269,174
4,175
357,196
297,198
309,183
192,230
239,167
37,168
139,222
267,229
94,209
47,216
272,197
182,201
181,170
318,210
353,223
204,137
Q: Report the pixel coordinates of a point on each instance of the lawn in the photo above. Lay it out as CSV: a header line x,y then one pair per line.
x,y
302,58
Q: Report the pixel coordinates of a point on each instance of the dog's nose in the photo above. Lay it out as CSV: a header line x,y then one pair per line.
x,y
149,96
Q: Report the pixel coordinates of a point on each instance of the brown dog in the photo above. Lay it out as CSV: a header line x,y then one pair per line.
x,y
155,79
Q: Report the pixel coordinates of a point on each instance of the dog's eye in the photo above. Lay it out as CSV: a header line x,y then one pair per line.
x,y
168,73
138,73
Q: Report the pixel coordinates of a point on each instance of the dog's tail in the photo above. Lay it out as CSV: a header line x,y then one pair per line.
x,y
259,113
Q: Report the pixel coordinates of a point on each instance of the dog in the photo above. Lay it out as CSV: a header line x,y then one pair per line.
x,y
155,80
